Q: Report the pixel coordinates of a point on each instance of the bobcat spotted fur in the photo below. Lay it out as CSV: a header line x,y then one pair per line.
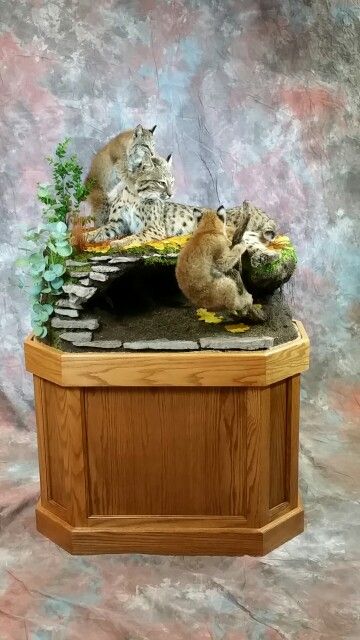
x,y
146,214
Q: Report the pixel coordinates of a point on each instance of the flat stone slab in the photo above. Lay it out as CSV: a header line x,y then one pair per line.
x,y
79,291
162,345
100,344
67,304
104,268
123,259
100,277
79,274
100,258
76,263
71,313
80,336
90,323
85,282
238,343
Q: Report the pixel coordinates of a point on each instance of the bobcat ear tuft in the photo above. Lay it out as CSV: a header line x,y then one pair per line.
x,y
153,129
138,131
221,212
169,159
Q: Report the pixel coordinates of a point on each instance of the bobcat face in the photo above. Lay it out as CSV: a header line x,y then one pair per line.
x,y
154,180
144,137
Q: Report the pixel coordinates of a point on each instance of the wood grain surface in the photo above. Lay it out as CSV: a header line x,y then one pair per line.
x,y
196,369
180,541
278,444
155,451
169,469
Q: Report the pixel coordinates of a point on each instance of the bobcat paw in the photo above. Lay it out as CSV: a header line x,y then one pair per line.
x,y
121,242
92,236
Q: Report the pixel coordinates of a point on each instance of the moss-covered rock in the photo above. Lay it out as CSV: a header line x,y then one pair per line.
x,y
262,273
269,273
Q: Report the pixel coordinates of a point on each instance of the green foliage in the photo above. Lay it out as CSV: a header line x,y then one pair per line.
x,y
287,256
48,244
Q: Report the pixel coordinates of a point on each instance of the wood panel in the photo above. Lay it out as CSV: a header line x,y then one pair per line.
x,y
288,359
151,451
60,510
43,361
178,540
56,414
292,441
257,455
278,444
197,369
60,441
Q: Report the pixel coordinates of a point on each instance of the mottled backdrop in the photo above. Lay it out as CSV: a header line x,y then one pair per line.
x,y
257,99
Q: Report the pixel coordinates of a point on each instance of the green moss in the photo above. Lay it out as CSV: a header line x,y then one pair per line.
x,y
286,256
78,269
148,251
131,251
160,260
80,257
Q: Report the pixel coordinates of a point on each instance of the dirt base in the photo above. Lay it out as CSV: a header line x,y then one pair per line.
x,y
176,320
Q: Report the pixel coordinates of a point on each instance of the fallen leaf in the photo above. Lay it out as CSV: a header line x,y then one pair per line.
x,y
209,317
279,242
97,248
237,328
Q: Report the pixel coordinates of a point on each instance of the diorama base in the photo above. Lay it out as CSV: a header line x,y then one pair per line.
x,y
172,536
169,453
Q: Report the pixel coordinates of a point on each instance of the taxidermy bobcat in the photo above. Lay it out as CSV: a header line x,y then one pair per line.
x,y
146,214
204,262
117,159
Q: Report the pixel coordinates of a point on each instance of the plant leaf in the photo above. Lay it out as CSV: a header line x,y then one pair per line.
x,y
237,328
49,275
209,317
57,283
280,242
64,251
58,268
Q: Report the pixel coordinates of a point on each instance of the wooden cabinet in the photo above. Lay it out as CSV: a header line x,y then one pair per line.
x,y
171,453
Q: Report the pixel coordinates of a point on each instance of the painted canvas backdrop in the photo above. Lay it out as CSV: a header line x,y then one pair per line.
x,y
256,100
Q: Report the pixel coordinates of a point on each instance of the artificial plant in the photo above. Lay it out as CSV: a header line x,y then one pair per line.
x,y
47,246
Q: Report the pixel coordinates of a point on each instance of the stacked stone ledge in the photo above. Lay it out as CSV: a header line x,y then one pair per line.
x,y
79,331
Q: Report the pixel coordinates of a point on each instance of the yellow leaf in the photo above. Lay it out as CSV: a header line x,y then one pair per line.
x,y
132,245
237,328
175,243
155,244
280,242
91,248
208,316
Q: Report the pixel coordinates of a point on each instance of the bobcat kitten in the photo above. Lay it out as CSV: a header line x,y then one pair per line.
x,y
122,154
203,263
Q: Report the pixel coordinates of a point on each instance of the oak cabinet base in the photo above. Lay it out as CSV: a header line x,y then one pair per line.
x,y
171,538
156,453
